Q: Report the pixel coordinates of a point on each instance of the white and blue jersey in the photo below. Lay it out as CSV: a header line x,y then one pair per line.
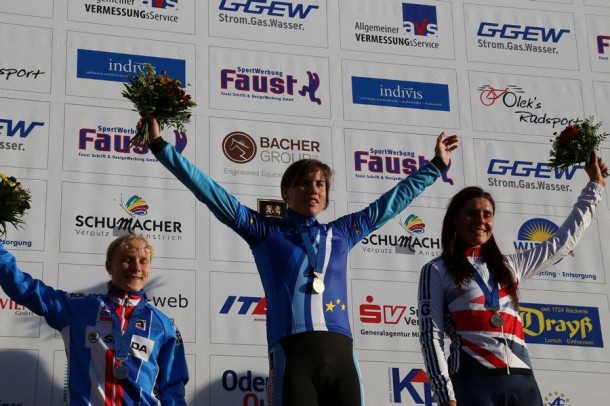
x,y
157,370
280,254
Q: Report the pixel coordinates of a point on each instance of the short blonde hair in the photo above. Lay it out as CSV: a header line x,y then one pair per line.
x,y
125,241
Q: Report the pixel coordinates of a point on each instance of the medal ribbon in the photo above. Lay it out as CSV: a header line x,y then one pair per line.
x,y
492,297
122,341
316,261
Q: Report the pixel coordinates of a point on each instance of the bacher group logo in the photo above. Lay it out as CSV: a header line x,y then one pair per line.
x,y
136,221
240,147
270,85
560,324
400,93
114,142
527,107
119,67
420,19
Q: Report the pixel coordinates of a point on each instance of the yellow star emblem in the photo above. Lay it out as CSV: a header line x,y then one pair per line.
x,y
330,306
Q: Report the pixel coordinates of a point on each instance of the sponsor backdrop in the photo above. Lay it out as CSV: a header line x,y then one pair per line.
x,y
362,85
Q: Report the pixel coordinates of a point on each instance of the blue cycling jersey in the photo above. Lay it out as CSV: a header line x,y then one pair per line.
x,y
281,254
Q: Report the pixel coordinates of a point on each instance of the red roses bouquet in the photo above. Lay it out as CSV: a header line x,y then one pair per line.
x,y
161,96
14,201
576,143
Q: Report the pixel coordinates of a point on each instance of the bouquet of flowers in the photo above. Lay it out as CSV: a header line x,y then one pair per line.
x,y
576,143
14,201
161,96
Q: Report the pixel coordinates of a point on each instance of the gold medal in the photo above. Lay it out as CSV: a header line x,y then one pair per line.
x,y
318,284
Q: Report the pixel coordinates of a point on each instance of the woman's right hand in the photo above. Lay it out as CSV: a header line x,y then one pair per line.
x,y
154,131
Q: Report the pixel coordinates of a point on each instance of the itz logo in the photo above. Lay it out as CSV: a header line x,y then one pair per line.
x,y
260,305
419,19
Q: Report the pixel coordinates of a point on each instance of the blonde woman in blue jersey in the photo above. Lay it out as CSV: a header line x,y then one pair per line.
x,y
302,264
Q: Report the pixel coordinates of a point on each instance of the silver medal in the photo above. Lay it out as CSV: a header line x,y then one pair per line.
x,y
120,371
496,320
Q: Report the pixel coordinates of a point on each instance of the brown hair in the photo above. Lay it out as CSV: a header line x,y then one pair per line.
x,y
453,248
303,167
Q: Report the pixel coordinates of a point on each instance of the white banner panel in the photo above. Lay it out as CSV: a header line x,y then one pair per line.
x,y
258,153
301,23
35,8
393,383
405,243
565,327
268,82
559,388
238,309
29,236
601,92
400,94
24,133
585,265
238,380
16,320
170,290
92,216
423,29
238,250
165,15
96,140
29,65
598,31
386,318
598,3
98,65
523,104
519,172
513,36
376,160
18,376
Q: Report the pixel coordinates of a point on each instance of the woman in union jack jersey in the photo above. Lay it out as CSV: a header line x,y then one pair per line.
x,y
470,294
303,265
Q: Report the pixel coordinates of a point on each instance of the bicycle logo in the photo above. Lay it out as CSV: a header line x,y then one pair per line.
x,y
490,94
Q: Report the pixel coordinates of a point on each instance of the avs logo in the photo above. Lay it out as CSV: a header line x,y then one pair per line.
x,y
603,42
533,232
400,93
162,4
419,19
116,140
521,32
246,305
558,324
117,67
557,398
21,128
239,147
416,384
271,8
267,85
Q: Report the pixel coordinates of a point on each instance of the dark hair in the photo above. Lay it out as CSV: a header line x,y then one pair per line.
x,y
453,248
303,167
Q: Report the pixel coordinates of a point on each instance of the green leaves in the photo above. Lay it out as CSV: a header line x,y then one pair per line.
x,y
14,201
576,143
